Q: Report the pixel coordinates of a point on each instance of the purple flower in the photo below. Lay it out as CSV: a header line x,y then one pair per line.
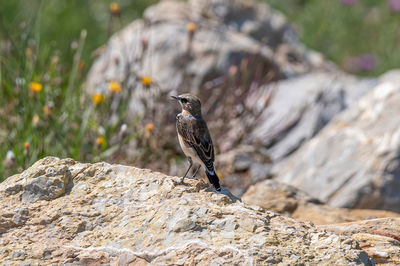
x,y
348,2
367,62
394,5
362,63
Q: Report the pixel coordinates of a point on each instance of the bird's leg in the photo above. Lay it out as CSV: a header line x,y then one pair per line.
x,y
195,172
187,171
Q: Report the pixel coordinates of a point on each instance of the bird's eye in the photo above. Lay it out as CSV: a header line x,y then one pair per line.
x,y
183,100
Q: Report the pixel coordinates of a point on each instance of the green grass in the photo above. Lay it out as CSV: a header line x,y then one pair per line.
x,y
340,31
57,24
52,42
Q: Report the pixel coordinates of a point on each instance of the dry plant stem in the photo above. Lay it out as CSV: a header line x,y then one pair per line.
x,y
77,58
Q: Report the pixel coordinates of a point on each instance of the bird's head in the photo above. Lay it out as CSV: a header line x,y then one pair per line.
x,y
189,103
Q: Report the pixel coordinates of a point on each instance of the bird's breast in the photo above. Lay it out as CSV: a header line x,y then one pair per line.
x,y
188,151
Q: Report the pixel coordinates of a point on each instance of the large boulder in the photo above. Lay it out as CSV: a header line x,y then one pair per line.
x,y
125,215
288,200
283,115
354,161
259,86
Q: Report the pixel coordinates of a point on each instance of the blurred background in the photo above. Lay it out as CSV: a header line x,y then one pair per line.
x,y
68,90
42,45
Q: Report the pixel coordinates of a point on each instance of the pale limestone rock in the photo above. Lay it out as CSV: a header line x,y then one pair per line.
x,y
289,200
354,161
114,214
380,238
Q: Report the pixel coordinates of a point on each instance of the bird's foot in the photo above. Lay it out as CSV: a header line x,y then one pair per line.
x,y
211,188
180,182
192,177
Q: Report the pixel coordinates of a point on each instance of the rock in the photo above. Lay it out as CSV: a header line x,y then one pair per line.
x,y
172,58
354,161
20,216
114,214
225,33
44,183
294,110
243,166
288,200
380,238
285,118
258,84
278,197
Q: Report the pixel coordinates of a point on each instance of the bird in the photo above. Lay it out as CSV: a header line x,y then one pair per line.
x,y
194,138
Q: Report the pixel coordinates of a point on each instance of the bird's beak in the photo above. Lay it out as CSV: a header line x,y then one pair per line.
x,y
175,97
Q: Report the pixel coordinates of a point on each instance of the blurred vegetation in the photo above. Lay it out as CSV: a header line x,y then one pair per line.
x,y
57,24
47,46
45,50
362,36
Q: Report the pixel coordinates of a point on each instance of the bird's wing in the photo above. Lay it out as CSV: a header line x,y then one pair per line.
x,y
195,134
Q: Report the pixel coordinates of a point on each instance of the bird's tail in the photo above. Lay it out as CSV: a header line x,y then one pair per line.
x,y
213,178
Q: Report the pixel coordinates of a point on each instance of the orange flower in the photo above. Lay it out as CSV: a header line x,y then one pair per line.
x,y
35,87
47,110
115,9
114,86
97,98
191,27
26,145
100,141
149,127
146,80
26,148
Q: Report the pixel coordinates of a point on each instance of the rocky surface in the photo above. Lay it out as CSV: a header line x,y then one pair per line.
x,y
380,238
288,200
258,84
354,161
284,115
84,214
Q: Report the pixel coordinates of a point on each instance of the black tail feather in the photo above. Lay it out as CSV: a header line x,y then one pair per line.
x,y
213,178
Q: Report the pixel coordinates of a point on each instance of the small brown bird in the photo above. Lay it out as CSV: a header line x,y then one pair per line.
x,y
194,137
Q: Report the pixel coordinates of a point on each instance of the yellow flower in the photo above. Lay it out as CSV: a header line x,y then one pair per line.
x,y
97,98
114,8
146,80
35,119
100,141
114,86
191,27
35,87
26,145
